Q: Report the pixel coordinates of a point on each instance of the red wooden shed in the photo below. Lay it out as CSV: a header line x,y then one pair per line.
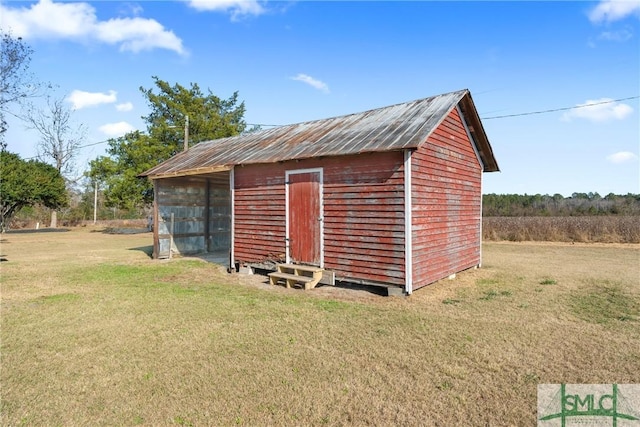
x,y
390,197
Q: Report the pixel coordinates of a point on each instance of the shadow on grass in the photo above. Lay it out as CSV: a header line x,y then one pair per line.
x,y
148,250
119,230
376,290
40,230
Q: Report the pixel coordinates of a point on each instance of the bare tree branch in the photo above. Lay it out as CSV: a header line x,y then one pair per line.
x,y
60,138
16,82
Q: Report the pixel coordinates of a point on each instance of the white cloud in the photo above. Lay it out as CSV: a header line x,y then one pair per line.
x,y
116,129
599,110
237,8
130,9
622,157
320,85
77,21
614,10
616,36
137,34
126,106
81,99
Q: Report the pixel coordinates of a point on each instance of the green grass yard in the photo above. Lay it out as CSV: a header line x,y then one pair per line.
x,y
94,332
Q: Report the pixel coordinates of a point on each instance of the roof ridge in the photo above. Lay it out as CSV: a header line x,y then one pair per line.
x,y
461,91
326,119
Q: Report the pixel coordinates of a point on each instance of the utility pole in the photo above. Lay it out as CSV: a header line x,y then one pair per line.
x,y
186,134
95,203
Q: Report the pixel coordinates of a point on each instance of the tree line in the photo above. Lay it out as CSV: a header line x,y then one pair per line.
x,y
578,204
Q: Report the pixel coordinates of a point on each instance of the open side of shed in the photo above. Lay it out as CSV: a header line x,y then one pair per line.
x,y
192,215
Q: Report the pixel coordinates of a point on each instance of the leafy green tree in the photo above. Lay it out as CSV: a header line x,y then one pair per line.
x,y
117,174
27,183
173,108
209,117
557,205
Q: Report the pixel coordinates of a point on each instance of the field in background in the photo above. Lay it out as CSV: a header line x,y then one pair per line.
x,y
583,229
94,332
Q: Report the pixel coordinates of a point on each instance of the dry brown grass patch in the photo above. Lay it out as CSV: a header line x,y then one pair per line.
x,y
585,229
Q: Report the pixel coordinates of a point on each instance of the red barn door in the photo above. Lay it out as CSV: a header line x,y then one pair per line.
x,y
304,216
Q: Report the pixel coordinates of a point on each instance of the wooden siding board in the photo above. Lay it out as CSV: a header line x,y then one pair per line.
x,y
393,251
363,201
446,204
458,177
370,256
442,228
455,246
440,213
365,234
347,191
264,223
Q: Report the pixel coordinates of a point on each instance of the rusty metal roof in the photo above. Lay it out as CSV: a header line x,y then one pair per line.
x,y
397,127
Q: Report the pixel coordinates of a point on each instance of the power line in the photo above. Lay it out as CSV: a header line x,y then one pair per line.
x,y
261,124
559,109
75,148
529,113
110,139
95,143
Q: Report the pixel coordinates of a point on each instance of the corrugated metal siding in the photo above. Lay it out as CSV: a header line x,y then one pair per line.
x,y
185,200
363,214
446,202
390,128
219,213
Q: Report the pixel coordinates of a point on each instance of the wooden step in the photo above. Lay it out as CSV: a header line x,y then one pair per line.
x,y
299,267
291,274
290,279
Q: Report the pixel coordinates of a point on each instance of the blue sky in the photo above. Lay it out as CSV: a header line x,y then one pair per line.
x,y
298,61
